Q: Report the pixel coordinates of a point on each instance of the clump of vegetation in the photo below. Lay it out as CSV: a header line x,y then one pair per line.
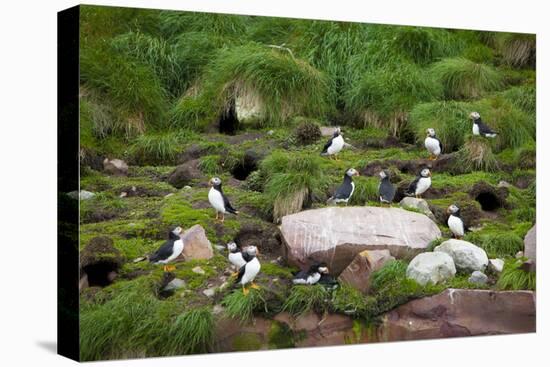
x,y
519,49
192,331
349,301
476,154
449,119
497,244
307,132
303,299
161,149
292,182
464,79
242,307
383,97
513,277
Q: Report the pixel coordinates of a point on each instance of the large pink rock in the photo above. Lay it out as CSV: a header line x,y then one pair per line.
x,y
197,245
461,312
357,274
336,234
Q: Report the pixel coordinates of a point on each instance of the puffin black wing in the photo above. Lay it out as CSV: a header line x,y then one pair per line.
x,y
227,205
344,190
163,253
440,146
327,145
386,191
242,270
412,187
484,129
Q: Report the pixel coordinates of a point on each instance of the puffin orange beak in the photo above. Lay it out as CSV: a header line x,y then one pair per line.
x,y
448,211
210,182
430,174
357,174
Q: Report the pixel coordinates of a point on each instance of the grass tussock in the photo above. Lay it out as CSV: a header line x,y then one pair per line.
x,y
515,278
476,155
465,79
241,307
192,331
157,149
304,298
519,50
292,182
383,97
498,244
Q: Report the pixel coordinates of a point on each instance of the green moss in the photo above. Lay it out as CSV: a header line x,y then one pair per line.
x,y
497,244
280,336
349,301
247,341
274,270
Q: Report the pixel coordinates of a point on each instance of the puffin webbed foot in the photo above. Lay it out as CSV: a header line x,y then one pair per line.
x,y
245,291
168,268
254,285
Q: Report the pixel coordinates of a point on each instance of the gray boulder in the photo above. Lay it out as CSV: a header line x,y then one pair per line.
x,y
115,167
417,204
496,265
530,243
478,277
431,267
466,255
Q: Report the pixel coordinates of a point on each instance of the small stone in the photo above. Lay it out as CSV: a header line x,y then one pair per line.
x,y
224,286
82,195
123,194
174,285
496,265
198,270
519,254
209,292
270,132
504,184
218,309
187,187
431,267
478,277
417,204
168,195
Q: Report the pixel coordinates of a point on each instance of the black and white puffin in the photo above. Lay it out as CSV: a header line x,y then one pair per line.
x,y
248,272
455,223
312,275
344,192
235,256
386,191
433,144
479,128
218,200
169,250
334,145
421,183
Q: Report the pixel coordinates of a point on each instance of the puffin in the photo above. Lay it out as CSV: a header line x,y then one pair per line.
x,y
344,192
169,250
433,144
334,145
218,200
386,191
455,223
312,275
421,183
248,272
235,255
479,128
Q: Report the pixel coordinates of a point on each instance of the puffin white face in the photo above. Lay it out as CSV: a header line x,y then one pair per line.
x,y
383,174
352,172
215,181
430,132
252,250
425,172
177,231
474,115
323,269
338,131
452,209
232,246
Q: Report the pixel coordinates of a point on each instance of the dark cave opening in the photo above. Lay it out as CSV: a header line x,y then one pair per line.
x,y
228,122
488,201
101,274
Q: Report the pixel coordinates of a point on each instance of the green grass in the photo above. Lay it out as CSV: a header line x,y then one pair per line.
x,y
241,307
305,298
514,278
157,149
518,49
382,97
192,331
349,301
465,79
497,244
292,182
